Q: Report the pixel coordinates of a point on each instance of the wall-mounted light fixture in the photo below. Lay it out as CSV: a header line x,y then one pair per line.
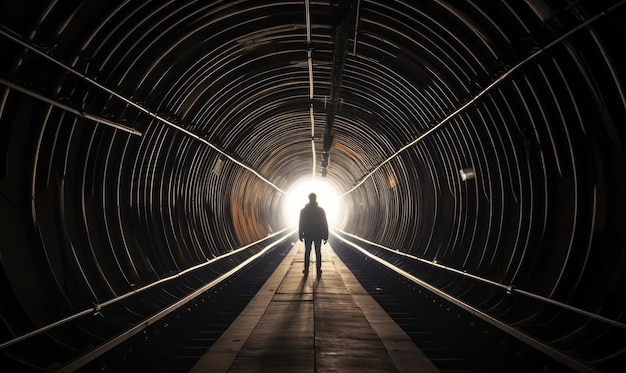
x,y
467,173
217,166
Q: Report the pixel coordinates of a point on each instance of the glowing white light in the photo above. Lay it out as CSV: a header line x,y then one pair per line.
x,y
298,196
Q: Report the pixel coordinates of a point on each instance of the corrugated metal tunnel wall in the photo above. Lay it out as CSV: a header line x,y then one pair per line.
x,y
141,138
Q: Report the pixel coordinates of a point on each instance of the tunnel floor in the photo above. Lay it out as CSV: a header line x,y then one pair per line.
x,y
314,322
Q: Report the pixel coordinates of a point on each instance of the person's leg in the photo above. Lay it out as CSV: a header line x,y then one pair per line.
x,y
307,254
318,255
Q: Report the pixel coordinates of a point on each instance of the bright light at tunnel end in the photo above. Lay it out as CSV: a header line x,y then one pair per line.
x,y
298,195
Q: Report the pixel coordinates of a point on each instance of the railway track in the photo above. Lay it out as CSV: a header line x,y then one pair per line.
x,y
454,340
175,343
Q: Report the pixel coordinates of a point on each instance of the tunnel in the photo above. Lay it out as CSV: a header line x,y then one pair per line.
x,y
142,140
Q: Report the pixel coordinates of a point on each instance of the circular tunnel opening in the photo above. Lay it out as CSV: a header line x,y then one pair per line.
x,y
129,156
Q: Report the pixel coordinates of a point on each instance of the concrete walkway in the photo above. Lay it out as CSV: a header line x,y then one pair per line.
x,y
313,323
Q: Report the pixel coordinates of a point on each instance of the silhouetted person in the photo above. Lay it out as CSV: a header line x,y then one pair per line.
x,y
313,228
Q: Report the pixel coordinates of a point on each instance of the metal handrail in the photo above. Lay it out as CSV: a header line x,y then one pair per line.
x,y
98,306
108,345
511,288
568,360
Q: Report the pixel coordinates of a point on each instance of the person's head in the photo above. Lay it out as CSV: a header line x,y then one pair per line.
x,y
312,197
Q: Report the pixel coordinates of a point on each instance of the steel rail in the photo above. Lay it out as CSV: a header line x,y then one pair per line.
x,y
108,345
98,306
559,355
511,288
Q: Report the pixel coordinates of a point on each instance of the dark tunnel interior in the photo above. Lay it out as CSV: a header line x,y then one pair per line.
x,y
140,139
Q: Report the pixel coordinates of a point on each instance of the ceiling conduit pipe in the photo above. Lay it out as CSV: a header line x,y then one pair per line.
x,y
356,26
9,34
309,53
340,50
78,113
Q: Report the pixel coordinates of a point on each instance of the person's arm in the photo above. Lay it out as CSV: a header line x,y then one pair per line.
x,y
301,227
325,226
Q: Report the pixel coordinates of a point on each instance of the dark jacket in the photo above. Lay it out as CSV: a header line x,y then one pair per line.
x,y
313,224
